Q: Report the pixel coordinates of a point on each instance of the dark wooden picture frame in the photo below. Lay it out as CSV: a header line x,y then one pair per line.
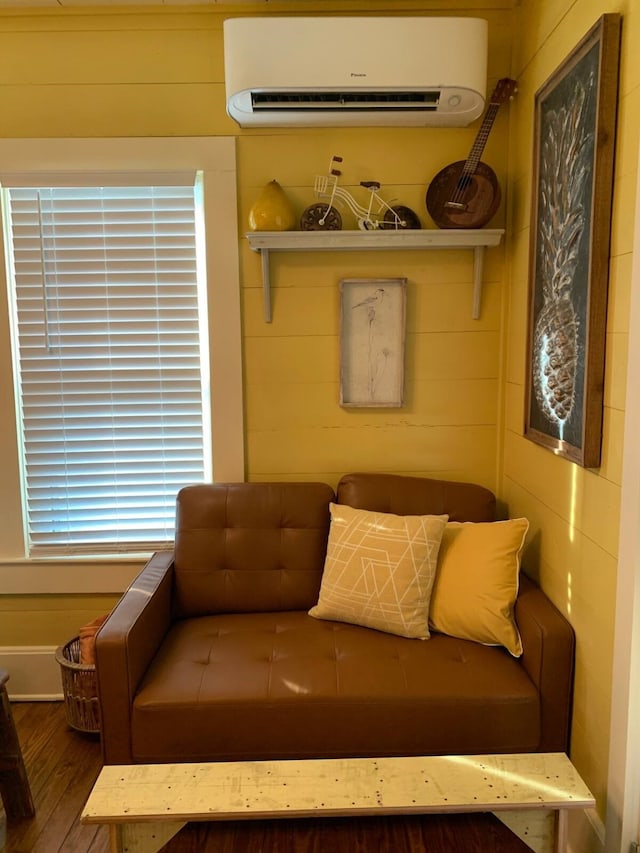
x,y
574,140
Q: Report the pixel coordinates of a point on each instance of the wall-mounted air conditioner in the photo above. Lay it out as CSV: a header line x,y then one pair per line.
x,y
330,71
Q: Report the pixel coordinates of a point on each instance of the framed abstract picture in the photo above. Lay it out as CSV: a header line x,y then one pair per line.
x,y
574,139
372,336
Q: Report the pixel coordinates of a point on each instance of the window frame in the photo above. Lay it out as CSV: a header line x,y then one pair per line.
x,y
215,158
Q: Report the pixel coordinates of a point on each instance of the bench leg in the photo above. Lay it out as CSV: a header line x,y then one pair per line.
x,y
562,830
143,837
542,830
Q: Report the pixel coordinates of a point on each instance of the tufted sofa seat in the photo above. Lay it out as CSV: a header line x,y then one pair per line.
x,y
211,654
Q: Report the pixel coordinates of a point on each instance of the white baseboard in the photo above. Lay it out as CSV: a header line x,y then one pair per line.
x,y
34,674
586,832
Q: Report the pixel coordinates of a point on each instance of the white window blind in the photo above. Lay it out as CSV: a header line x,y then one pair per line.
x,y
109,351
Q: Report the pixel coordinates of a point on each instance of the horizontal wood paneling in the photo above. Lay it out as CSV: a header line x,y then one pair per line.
x,y
382,448
171,109
34,620
112,57
430,403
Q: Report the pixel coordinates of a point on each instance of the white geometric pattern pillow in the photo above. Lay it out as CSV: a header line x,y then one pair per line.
x,y
379,570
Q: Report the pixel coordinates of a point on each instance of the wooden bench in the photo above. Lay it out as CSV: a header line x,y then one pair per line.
x,y
146,805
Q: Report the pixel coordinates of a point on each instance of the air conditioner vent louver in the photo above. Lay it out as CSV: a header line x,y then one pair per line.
x,y
324,71
345,100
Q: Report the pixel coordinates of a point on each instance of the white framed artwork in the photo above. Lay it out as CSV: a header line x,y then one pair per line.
x,y
372,338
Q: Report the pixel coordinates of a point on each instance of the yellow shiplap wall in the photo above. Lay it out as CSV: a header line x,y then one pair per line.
x,y
146,71
574,512
159,72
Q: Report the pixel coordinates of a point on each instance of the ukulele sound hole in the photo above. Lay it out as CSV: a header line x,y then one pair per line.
x,y
463,193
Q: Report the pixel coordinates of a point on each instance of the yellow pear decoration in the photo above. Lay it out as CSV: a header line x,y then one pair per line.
x,y
272,210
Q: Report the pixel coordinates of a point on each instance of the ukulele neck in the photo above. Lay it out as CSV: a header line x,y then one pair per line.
x,y
481,140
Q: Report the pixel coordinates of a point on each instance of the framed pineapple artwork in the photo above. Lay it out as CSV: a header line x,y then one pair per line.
x,y
574,138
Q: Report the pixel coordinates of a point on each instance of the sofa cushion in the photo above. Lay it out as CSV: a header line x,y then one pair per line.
x,y
243,547
285,685
379,570
477,582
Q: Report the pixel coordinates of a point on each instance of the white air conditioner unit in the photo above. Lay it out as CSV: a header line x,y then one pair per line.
x,y
332,71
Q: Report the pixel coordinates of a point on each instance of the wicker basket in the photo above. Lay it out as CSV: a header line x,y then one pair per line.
x,y
80,688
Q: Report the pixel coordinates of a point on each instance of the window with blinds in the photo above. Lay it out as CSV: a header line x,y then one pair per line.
x,y
109,342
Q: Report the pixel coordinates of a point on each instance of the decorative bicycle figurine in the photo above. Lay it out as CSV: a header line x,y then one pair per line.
x,y
378,214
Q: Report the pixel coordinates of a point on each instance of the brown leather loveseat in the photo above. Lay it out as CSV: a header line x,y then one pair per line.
x,y
211,653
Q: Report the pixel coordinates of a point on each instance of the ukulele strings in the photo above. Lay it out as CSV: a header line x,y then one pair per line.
x,y
473,159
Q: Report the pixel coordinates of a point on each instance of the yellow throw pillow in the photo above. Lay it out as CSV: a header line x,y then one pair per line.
x,y
477,582
379,570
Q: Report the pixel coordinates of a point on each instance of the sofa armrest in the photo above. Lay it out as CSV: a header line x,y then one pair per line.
x,y
125,646
549,647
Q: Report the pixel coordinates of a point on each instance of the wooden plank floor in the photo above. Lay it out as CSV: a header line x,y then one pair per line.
x,y
63,765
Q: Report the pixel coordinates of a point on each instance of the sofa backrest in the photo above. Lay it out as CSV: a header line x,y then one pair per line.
x,y
249,547
417,496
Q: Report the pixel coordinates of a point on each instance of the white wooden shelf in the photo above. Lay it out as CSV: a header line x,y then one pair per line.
x,y
345,241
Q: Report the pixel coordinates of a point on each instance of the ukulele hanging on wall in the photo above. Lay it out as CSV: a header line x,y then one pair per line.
x,y
466,194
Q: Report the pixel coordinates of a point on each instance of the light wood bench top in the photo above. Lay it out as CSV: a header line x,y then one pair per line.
x,y
335,786
176,793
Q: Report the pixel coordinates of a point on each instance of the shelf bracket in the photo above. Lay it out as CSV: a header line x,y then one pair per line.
x,y
478,265
266,284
